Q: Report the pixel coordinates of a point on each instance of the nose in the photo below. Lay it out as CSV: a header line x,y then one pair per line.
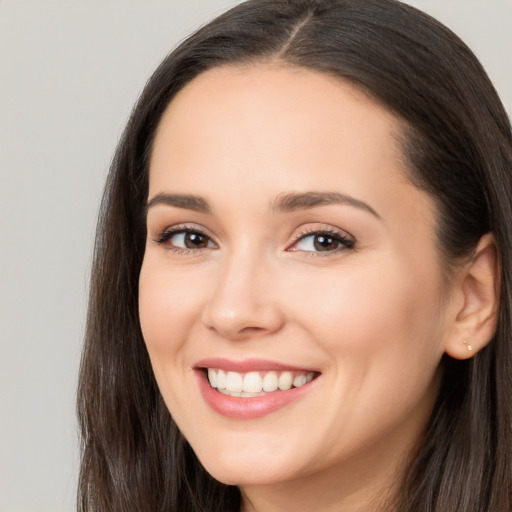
x,y
243,302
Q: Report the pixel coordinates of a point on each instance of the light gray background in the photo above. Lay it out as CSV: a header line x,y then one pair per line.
x,y
70,71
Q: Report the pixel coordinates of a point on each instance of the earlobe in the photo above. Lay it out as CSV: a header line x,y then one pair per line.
x,y
475,322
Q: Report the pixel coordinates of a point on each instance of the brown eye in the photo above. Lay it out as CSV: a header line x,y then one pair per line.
x,y
325,243
322,242
186,239
193,240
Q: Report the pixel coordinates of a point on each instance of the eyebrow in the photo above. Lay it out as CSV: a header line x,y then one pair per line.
x,y
284,203
304,200
185,201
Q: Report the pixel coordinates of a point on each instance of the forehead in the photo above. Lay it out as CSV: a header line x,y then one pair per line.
x,y
259,118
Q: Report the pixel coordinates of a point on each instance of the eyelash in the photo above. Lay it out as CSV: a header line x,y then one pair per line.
x,y
345,242
167,234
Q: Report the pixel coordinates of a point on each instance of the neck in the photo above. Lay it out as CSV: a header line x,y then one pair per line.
x,y
317,499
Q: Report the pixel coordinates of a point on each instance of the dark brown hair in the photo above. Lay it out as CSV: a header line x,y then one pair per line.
x,y
457,141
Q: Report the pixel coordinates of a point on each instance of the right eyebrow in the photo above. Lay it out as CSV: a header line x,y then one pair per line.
x,y
185,201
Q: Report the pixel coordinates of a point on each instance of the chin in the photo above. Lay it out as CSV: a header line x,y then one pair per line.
x,y
241,470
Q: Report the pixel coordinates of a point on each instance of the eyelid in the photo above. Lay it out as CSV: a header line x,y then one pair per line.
x,y
318,227
345,238
164,235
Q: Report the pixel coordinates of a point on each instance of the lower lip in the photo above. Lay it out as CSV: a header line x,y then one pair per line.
x,y
243,408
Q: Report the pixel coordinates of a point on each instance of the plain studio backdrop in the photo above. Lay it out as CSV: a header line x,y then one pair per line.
x,y
70,71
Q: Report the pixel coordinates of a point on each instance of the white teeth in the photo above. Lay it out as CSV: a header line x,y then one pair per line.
x,y
299,380
285,381
212,377
234,382
230,393
270,382
221,379
253,384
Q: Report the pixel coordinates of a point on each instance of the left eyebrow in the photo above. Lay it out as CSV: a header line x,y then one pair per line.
x,y
305,200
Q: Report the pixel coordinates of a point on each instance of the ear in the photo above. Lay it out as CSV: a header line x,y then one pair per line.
x,y
476,315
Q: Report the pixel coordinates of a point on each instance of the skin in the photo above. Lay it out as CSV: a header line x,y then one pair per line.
x,y
373,319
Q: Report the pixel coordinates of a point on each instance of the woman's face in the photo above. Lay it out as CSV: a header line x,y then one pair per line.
x,y
286,247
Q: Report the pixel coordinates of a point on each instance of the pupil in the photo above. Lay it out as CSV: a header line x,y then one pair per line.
x,y
323,242
195,240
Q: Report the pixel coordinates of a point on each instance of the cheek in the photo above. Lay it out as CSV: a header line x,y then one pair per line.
x,y
167,310
154,308
381,331
373,313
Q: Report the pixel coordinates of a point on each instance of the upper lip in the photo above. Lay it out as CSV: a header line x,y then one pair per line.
x,y
248,365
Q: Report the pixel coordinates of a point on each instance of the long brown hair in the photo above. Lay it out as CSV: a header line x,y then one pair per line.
x,y
458,143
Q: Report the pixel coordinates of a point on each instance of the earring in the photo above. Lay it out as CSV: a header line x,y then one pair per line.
x,y
470,348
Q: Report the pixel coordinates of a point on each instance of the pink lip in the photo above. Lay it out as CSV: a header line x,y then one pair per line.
x,y
242,408
247,365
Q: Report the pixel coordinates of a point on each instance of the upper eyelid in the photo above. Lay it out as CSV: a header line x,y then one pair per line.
x,y
177,228
169,231
305,231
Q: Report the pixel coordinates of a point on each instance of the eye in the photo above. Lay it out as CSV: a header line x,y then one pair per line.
x,y
322,241
186,239
190,240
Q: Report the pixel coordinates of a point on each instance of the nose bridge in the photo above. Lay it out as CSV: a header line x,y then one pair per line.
x,y
242,302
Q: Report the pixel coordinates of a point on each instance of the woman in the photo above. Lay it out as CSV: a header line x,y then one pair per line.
x,y
301,290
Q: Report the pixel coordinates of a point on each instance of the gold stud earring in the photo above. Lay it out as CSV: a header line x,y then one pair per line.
x,y
470,348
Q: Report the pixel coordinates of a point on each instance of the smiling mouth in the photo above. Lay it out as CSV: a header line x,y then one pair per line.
x,y
257,383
